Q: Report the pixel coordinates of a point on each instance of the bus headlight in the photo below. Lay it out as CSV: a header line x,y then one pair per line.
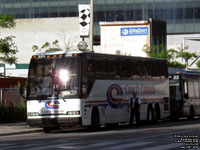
x,y
64,75
73,113
33,114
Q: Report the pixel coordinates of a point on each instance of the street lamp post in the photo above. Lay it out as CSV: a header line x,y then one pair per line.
x,y
91,24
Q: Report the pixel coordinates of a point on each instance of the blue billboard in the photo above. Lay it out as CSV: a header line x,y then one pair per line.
x,y
133,31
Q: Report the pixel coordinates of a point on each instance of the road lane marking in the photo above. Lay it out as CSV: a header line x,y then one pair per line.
x,y
6,144
123,146
19,146
102,144
53,146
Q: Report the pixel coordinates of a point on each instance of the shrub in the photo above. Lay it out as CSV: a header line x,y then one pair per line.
x,y
13,114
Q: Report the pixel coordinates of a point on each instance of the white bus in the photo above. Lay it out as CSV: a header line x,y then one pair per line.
x,y
184,93
90,89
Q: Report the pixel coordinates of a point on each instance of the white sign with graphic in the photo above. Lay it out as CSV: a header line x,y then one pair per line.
x,y
84,19
134,31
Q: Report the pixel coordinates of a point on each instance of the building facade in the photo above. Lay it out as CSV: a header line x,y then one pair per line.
x,y
182,16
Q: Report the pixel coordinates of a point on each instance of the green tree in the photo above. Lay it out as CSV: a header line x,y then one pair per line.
x,y
170,55
198,64
158,52
47,47
185,55
7,21
161,52
8,49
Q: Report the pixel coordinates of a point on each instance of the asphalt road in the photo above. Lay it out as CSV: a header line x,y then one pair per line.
x,y
165,135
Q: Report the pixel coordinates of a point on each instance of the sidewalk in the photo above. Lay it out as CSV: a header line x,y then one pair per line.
x,y
16,128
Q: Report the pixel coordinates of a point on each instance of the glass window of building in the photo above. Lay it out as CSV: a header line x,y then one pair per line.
x,y
53,9
138,11
128,10
148,6
110,10
99,9
119,10
158,11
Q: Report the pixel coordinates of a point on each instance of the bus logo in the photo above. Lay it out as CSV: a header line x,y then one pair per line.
x,y
52,104
114,96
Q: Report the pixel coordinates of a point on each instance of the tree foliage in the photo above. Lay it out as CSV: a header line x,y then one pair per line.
x,y
47,47
198,64
8,49
171,55
185,55
7,21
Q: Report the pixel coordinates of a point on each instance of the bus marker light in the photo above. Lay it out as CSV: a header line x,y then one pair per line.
x,y
34,56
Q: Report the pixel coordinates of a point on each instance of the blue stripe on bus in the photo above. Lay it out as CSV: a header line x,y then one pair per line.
x,y
90,105
152,102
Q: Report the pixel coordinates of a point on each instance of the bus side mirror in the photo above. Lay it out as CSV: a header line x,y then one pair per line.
x,y
84,89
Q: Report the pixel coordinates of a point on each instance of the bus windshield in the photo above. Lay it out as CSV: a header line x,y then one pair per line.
x,y
66,79
175,90
53,77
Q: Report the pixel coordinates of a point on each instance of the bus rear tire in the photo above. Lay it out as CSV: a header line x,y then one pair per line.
x,y
150,115
46,129
191,116
156,114
174,117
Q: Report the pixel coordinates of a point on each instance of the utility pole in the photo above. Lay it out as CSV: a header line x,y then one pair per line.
x,y
91,24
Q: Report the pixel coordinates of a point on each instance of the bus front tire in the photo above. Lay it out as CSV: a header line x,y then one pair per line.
x,y
94,120
156,114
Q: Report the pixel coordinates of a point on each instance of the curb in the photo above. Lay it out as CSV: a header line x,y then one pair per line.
x,y
16,128
20,132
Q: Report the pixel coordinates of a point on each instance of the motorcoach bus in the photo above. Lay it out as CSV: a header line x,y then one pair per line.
x,y
91,89
184,93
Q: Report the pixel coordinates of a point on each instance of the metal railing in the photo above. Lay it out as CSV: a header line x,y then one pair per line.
x,y
10,97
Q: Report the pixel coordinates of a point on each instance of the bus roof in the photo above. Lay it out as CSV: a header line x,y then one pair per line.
x,y
58,52
93,55
183,71
120,56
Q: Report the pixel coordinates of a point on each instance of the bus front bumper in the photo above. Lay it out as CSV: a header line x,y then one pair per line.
x,y
54,122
